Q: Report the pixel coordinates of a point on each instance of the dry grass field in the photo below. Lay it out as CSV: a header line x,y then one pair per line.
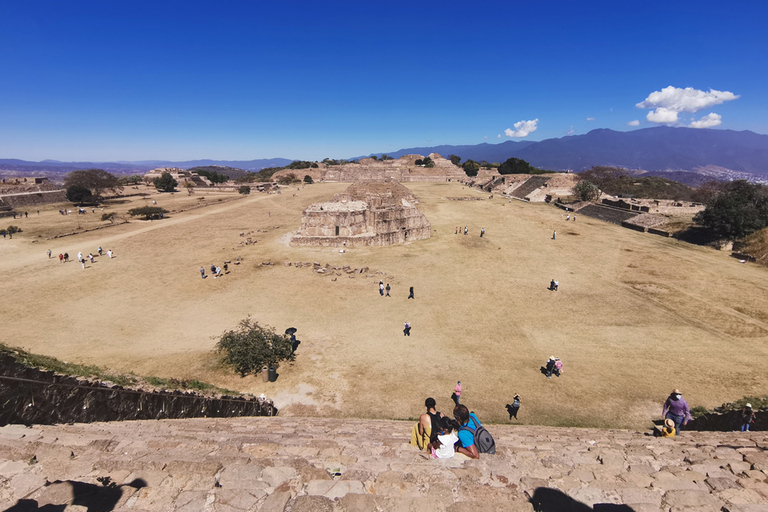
x,y
636,314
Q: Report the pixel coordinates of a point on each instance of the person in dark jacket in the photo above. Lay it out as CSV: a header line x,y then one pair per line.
x,y
677,410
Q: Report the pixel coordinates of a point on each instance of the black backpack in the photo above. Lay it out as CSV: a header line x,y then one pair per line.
x,y
483,439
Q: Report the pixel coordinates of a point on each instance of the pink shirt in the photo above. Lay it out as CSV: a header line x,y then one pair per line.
x,y
458,390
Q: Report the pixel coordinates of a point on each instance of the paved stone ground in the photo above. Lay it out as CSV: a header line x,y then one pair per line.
x,y
296,464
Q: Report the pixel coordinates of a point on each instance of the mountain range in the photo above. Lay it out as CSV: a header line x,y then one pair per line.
x,y
688,154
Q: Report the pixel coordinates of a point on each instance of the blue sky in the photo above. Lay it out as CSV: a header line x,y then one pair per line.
x,y
243,79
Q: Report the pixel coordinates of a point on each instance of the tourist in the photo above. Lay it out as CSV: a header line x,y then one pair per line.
x,y
226,268
202,272
514,407
213,268
677,410
388,289
407,328
747,417
49,254
468,425
550,366
554,235
80,256
568,217
457,393
466,230
66,257
482,232
90,257
109,253
457,230
443,441
558,367
410,295
100,251
82,262
668,430
61,258
552,285
557,285
422,431
381,288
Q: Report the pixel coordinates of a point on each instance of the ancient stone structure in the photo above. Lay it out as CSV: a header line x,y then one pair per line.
x,y
179,175
346,465
28,192
368,169
367,213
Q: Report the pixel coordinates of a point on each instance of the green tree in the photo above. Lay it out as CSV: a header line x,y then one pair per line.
x,y
133,179
95,180
12,229
166,183
249,347
287,179
471,168
245,190
738,210
78,194
149,212
213,176
455,160
516,166
308,179
586,190
111,217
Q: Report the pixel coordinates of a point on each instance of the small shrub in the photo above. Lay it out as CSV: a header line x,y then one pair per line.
x,y
244,190
250,347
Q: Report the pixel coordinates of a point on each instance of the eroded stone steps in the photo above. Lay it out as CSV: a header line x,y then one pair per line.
x,y
298,464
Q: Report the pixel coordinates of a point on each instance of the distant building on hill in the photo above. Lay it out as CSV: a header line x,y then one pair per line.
x,y
180,175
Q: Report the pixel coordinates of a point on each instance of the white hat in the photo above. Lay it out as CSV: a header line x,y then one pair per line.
x,y
749,406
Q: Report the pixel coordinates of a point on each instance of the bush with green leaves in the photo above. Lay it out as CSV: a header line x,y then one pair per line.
x,y
79,194
308,179
739,209
586,190
148,212
250,347
471,168
166,183
10,230
244,190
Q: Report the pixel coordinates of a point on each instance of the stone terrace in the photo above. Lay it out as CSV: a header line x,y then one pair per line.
x,y
302,464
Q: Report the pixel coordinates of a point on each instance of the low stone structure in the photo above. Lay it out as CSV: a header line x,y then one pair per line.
x,y
368,169
366,214
179,175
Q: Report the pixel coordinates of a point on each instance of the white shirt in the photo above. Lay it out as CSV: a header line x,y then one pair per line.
x,y
446,450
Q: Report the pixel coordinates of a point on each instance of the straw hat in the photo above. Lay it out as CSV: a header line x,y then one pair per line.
x,y
676,392
669,423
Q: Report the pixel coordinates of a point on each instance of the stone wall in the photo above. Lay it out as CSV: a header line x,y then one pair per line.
x,y
28,396
30,199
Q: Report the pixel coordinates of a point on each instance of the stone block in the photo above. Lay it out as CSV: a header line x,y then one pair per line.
x,y
722,483
309,503
275,502
334,489
698,500
276,475
240,476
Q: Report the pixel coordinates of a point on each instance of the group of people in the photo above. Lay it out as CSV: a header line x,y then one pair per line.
x,y
64,257
388,289
216,271
677,413
466,231
444,437
553,366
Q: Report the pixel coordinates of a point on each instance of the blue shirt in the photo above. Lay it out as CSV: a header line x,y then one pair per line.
x,y
468,438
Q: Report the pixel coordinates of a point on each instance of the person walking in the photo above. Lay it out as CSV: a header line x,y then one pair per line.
x,y
381,288
407,328
466,230
410,295
747,417
100,251
90,257
388,289
514,407
109,253
80,256
49,254
61,258
482,232
202,272
457,393
554,235
677,410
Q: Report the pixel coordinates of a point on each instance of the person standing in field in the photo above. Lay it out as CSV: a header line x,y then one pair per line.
x,y
49,254
410,295
457,393
388,289
381,288
747,417
202,272
407,328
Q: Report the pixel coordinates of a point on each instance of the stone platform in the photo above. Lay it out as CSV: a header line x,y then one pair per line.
x,y
308,464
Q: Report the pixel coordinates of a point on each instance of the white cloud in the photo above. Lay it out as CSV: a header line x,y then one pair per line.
x,y
522,128
570,131
708,121
670,101
590,119
634,123
498,136
662,115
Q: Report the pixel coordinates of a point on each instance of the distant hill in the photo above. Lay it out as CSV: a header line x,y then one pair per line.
x,y
48,167
660,150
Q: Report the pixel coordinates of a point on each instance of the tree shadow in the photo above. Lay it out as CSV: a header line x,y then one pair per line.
x,y
545,499
696,235
95,498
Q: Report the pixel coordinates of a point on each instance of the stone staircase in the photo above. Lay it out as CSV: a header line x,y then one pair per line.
x,y
607,213
309,464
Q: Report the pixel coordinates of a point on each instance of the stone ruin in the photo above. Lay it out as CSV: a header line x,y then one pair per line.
x,y
368,169
180,175
365,214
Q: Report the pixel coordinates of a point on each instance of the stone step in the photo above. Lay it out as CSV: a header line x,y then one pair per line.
x,y
345,464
